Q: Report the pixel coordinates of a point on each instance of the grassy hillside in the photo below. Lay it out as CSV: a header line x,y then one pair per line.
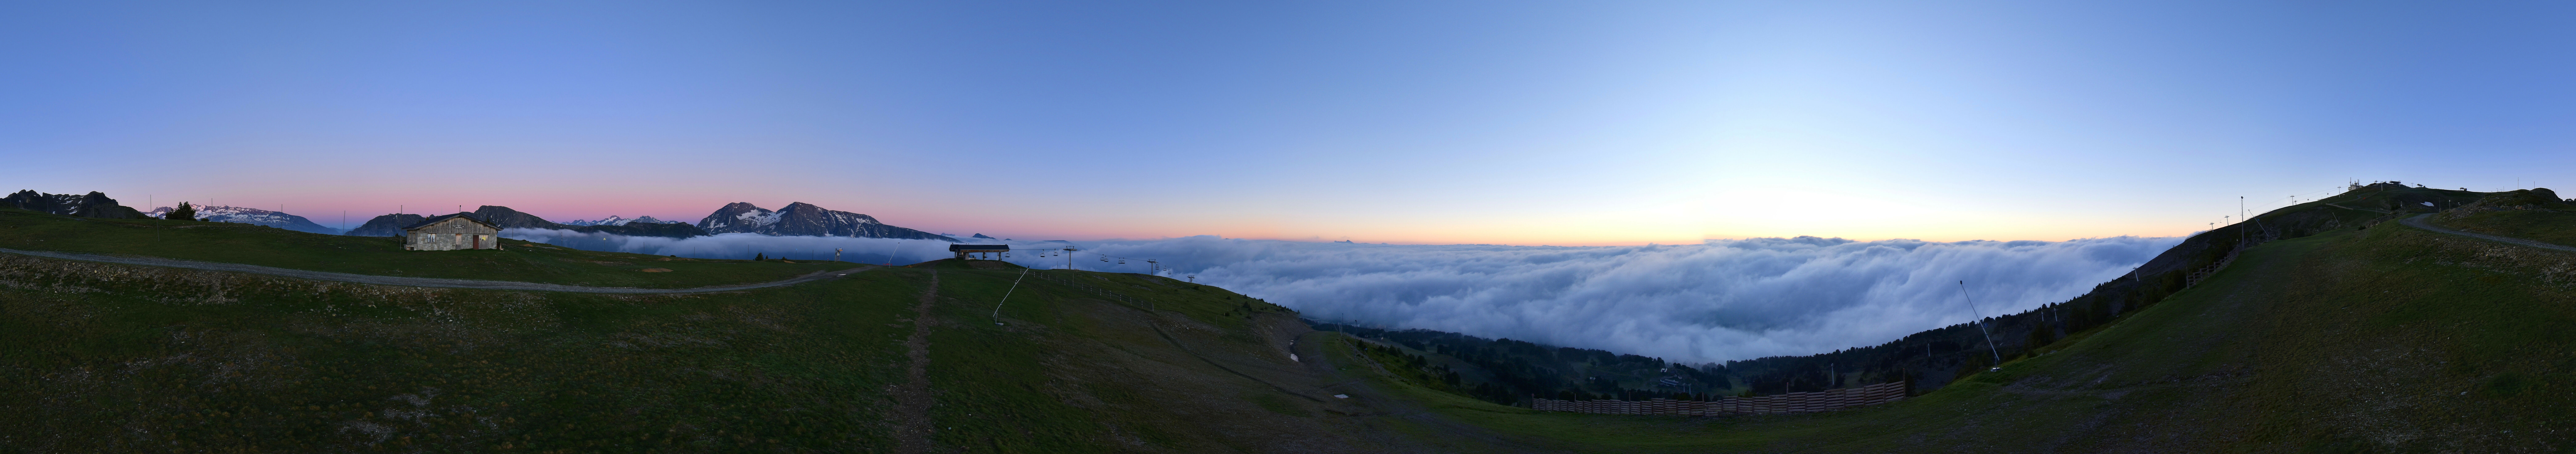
x,y
2536,214
99,357
2388,339
267,246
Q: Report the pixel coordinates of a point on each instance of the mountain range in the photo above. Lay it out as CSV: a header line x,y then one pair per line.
x,y
805,219
92,205
622,220
386,225
798,219
619,220
255,216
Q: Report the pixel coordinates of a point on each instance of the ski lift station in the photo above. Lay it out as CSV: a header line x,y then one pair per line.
x,y
990,249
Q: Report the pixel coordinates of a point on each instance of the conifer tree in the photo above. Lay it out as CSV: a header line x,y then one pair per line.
x,y
183,213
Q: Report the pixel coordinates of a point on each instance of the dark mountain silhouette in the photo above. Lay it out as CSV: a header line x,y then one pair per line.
x,y
805,219
386,225
92,205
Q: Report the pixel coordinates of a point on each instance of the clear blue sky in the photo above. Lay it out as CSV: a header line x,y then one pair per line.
x,y
1423,122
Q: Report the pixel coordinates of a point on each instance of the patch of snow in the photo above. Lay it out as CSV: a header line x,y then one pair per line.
x,y
758,218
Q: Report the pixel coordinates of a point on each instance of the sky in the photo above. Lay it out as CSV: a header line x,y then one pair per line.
x,y
1517,123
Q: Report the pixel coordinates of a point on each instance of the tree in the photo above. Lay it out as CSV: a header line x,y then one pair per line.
x,y
759,257
2041,336
183,213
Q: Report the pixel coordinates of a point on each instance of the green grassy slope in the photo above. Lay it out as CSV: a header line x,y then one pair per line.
x,y
2390,339
98,357
266,246
2547,226
114,358
2535,214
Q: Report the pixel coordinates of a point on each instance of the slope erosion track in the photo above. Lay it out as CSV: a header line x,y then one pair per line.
x,y
420,281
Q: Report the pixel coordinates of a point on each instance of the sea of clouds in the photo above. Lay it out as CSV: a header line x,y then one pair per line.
x,y
1716,301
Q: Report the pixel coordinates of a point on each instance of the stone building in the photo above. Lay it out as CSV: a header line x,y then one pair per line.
x,y
451,232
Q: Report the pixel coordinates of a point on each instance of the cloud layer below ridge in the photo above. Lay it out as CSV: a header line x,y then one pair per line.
x,y
1721,300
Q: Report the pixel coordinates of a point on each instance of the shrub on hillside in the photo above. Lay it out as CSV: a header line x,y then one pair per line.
x,y
184,212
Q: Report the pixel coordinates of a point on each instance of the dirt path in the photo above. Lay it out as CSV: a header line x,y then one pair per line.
x,y
2418,222
418,281
912,398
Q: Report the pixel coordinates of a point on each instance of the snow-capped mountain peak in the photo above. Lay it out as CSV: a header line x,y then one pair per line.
x,y
804,219
620,220
248,215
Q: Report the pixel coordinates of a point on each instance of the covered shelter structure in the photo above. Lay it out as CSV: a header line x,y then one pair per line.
x,y
963,249
452,232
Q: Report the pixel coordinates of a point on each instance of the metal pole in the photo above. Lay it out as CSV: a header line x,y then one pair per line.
x,y
1981,324
1006,295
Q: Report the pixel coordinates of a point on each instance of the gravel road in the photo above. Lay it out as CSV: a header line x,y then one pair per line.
x,y
2418,222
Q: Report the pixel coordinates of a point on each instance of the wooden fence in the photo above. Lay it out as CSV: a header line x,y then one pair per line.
x,y
2205,272
1806,402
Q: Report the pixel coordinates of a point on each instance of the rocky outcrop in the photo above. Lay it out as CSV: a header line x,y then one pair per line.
x,y
93,205
386,225
805,219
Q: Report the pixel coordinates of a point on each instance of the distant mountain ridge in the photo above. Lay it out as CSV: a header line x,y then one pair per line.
x,y
805,219
513,219
92,205
506,218
386,225
618,220
797,219
254,216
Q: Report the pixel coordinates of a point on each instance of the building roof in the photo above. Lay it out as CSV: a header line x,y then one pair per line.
x,y
435,219
978,247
